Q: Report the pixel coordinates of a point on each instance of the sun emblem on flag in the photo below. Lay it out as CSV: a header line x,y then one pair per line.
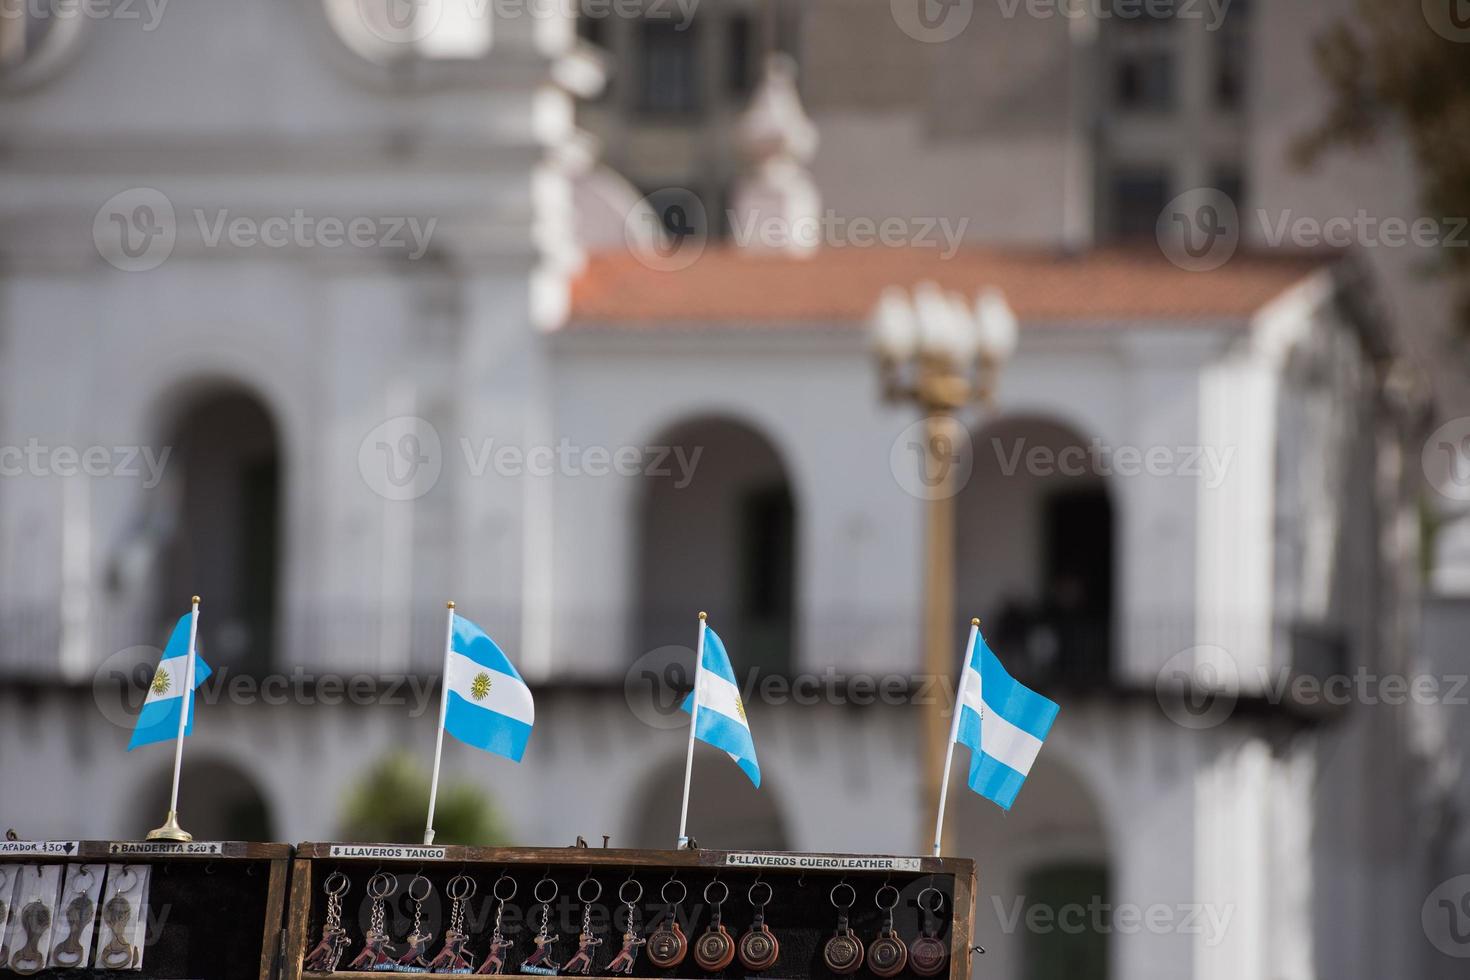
x,y
480,686
740,708
160,681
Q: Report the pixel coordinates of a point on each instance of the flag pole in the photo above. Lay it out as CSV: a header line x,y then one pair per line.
x,y
954,731
171,829
693,721
443,712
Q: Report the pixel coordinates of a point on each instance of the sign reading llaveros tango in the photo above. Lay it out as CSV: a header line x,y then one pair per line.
x,y
822,862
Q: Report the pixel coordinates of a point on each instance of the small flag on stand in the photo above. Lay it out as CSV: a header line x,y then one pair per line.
x,y
1001,721
483,701
158,721
717,715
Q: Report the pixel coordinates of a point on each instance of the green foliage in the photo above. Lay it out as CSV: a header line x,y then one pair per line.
x,y
390,801
1389,73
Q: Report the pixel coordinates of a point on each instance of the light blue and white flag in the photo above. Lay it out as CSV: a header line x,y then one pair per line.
x,y
484,702
158,721
720,720
489,706
1002,722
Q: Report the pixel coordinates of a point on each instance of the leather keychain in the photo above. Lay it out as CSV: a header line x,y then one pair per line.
x,y
887,955
928,953
715,950
758,948
843,953
667,945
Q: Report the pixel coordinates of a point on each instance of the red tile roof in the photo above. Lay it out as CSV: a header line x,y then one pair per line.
x,y
730,286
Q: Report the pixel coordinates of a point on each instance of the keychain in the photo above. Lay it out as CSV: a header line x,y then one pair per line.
x,y
540,961
667,945
628,955
888,955
587,943
377,951
418,940
843,953
715,950
325,956
69,951
453,958
758,948
494,964
928,953
118,954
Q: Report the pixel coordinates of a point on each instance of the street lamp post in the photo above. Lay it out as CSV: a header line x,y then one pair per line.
x,y
938,351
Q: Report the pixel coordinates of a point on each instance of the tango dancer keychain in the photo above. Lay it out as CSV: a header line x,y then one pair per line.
x,y
326,954
415,960
377,950
667,945
494,964
540,960
928,953
587,943
453,958
758,948
843,953
715,950
628,956
888,955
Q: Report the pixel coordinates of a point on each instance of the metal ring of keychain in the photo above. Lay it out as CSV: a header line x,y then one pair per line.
x,y
328,953
668,945
453,958
540,960
887,955
628,956
715,950
758,948
494,964
843,953
587,942
928,953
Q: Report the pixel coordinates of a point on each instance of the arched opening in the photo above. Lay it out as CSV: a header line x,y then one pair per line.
x,y
1035,551
718,532
1044,901
217,801
226,536
725,810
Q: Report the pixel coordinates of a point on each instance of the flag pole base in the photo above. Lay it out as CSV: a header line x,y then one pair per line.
x,y
171,830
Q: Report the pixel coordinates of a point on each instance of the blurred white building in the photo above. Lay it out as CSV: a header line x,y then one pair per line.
x,y
330,316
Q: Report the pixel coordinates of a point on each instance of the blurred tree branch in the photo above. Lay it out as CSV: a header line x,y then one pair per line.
x,y
390,801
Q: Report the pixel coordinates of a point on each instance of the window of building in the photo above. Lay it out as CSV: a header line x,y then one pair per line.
x,y
1228,181
1144,81
1232,55
668,68
1136,198
1071,893
740,45
767,581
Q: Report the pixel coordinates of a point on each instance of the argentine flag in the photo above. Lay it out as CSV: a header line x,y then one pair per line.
x,y
1002,722
158,721
487,704
720,720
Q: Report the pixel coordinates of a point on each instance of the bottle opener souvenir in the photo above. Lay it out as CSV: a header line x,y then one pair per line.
x,y
667,945
326,954
494,964
540,961
843,953
414,959
377,950
587,943
758,948
69,952
887,956
628,956
715,950
928,954
117,914
453,958
35,919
